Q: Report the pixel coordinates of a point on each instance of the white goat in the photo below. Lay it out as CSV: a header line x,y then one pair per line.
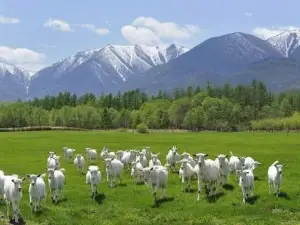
x,y
2,181
54,162
187,156
114,168
51,155
251,163
224,168
147,152
37,190
154,161
156,177
79,163
208,171
68,152
56,181
119,154
93,178
106,154
91,154
141,157
136,172
127,158
13,194
186,172
246,182
236,163
173,157
275,177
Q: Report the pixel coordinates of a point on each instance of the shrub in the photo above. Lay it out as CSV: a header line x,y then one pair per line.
x,y
122,129
142,128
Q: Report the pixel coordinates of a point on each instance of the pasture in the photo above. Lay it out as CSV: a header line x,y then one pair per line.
x,y
26,152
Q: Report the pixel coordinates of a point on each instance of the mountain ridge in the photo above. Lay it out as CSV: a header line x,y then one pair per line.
x,y
114,68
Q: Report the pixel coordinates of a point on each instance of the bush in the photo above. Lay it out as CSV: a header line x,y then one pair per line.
x,y
122,129
142,128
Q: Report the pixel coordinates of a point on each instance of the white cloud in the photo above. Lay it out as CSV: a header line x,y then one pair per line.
x,y
249,14
8,20
142,36
93,28
58,25
23,57
47,46
149,31
266,33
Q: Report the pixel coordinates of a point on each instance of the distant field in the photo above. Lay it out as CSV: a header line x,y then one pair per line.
x,y
23,153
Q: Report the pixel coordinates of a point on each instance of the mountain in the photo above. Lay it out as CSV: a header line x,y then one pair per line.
x,y
286,42
100,70
278,74
214,60
236,57
14,82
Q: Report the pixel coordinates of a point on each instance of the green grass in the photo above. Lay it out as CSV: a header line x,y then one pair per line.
x,y
23,153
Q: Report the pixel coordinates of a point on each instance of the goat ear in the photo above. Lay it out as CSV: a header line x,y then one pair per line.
x,y
23,179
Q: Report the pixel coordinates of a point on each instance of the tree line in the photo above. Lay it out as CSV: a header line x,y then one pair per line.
x,y
223,108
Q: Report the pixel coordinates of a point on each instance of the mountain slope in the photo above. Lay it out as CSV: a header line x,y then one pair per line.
x,y
286,42
215,59
278,74
13,82
100,70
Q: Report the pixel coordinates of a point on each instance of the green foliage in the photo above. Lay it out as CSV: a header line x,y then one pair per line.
x,y
275,124
142,128
224,108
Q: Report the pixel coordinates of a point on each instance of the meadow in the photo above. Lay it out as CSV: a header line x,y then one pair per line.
x,y
26,152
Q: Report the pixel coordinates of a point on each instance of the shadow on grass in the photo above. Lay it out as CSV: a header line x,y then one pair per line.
x,y
251,200
122,185
228,187
257,178
100,198
215,198
284,195
161,201
191,190
59,201
21,221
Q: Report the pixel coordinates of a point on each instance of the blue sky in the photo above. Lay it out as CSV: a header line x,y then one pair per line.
x,y
36,33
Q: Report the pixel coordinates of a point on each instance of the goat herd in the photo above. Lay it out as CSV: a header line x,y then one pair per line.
x,y
145,167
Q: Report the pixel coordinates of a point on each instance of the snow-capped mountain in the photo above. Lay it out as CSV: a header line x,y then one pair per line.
x,y
219,59
286,42
214,60
100,70
14,82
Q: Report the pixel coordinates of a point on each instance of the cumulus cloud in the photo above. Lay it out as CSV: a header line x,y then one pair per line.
x,y
149,31
23,57
93,28
266,33
249,14
59,25
8,20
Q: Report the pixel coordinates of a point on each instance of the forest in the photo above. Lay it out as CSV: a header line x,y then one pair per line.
x,y
226,108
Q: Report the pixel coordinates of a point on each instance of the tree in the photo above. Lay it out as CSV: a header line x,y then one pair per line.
x,y
286,108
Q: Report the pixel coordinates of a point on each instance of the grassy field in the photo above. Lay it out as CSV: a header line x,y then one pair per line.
x,y
23,153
